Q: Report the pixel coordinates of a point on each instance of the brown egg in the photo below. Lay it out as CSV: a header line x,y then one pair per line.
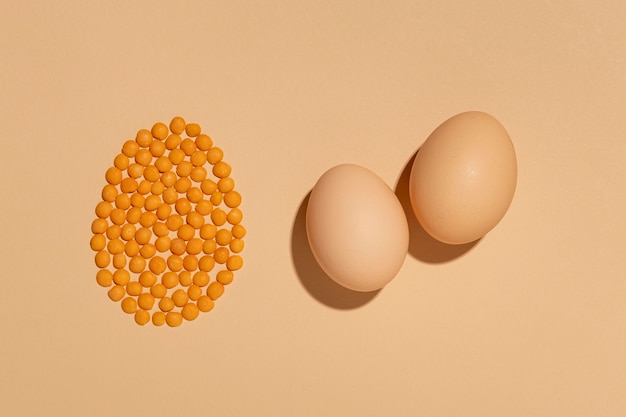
x,y
356,228
463,178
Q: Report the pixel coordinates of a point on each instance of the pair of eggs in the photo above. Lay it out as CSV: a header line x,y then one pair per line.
x,y
461,184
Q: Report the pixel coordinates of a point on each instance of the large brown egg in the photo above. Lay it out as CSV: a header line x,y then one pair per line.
x,y
463,178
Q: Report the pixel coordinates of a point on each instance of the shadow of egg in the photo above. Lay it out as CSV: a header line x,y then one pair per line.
x,y
316,282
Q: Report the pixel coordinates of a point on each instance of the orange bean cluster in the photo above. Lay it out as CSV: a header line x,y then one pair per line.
x,y
168,233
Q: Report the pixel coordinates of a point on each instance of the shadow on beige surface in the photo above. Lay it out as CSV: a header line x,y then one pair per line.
x,y
421,245
311,275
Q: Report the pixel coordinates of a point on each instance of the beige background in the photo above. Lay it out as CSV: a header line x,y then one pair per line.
x,y
531,321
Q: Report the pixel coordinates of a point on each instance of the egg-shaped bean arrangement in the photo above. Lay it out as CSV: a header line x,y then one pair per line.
x,y
168,233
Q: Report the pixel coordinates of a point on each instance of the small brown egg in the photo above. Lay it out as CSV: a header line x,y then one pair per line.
x,y
356,227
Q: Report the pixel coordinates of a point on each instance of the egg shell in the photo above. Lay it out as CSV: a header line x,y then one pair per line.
x,y
356,227
463,178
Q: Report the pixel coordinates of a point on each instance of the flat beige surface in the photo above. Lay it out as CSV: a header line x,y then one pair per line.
x,y
531,321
